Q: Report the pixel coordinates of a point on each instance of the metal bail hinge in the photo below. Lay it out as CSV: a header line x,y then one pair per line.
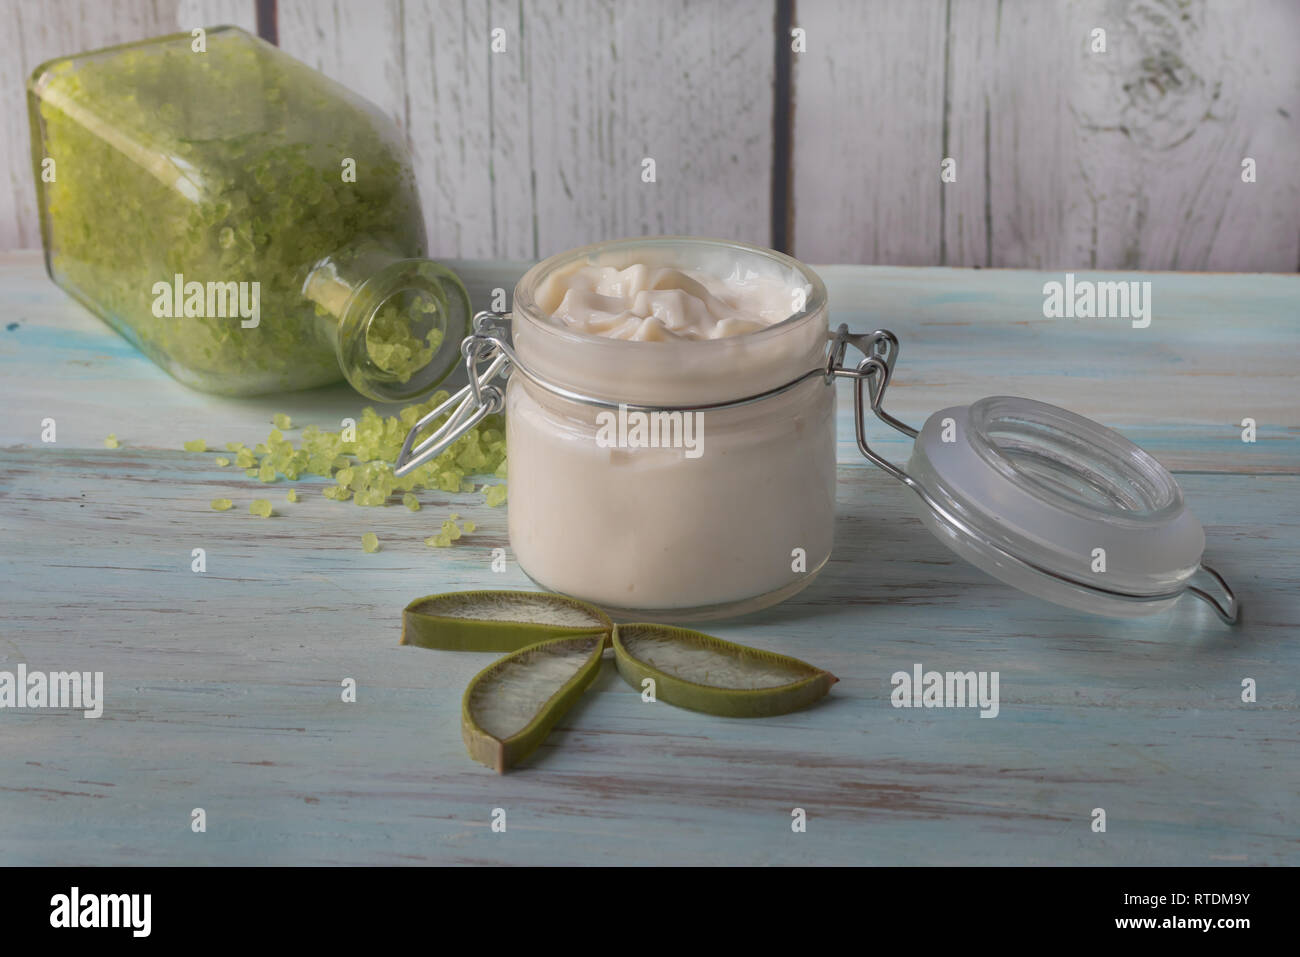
x,y
469,405
873,373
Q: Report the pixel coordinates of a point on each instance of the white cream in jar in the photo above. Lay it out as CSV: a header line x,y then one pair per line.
x,y
649,303
656,532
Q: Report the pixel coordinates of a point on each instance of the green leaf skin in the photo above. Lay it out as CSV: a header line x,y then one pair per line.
x,y
434,622
719,699
501,754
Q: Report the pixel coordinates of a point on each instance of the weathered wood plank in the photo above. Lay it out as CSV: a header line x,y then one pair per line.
x,y
1161,123
1065,157
537,146
866,168
223,693
223,688
216,13
358,44
688,85
446,116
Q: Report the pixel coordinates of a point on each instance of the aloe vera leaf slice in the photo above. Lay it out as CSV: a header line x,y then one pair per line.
x,y
497,620
703,673
511,705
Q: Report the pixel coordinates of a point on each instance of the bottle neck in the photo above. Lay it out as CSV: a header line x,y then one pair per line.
x,y
396,322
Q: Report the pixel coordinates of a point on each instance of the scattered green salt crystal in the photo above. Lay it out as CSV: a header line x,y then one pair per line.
x,y
111,442
222,460
196,445
363,466
370,542
468,527
441,540
221,504
260,507
282,421
292,495
453,516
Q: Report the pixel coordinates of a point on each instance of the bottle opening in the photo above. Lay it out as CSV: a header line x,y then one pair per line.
x,y
401,330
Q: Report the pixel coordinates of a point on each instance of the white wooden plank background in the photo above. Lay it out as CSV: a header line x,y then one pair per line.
x,y
1065,158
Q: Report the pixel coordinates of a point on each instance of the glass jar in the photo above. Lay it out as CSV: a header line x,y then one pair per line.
x,y
249,224
739,513
736,513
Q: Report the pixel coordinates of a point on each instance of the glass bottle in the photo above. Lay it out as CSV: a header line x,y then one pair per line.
x,y
249,224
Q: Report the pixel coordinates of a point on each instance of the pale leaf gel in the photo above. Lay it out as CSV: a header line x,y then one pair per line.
x,y
510,707
697,671
497,620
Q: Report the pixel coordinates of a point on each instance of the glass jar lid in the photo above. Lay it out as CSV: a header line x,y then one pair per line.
x,y
1052,503
1042,499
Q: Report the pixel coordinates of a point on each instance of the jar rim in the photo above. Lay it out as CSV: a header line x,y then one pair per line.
x,y
524,303
1142,491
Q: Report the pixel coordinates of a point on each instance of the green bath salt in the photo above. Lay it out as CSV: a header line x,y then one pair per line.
x,y
249,224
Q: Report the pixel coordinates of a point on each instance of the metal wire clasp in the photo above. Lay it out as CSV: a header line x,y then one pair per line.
x,y
873,373
480,398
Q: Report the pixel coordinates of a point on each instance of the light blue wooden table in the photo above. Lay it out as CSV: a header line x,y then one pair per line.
x,y
223,688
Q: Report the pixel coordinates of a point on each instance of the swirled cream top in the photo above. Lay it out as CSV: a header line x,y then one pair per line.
x,y
661,303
